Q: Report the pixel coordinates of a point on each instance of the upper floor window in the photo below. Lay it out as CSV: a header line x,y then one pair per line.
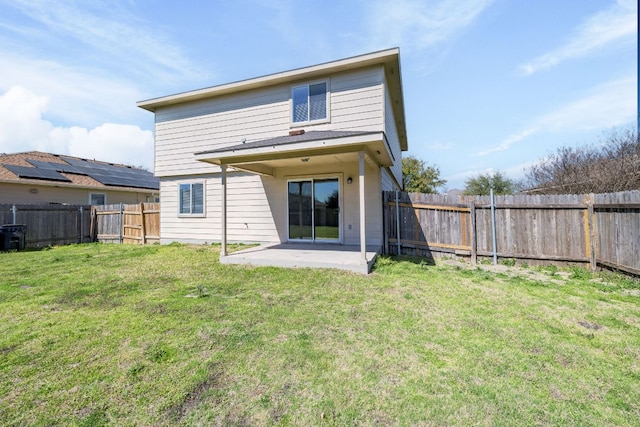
x,y
309,102
192,199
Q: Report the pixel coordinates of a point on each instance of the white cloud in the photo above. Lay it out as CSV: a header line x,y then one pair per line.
x,y
417,24
20,120
107,28
73,96
23,128
441,146
509,141
610,104
608,26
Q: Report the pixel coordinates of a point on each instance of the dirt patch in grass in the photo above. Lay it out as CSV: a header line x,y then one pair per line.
x,y
194,398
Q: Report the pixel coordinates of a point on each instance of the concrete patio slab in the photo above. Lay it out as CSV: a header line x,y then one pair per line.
x,y
296,255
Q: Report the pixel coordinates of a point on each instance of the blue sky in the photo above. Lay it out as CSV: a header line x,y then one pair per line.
x,y
489,84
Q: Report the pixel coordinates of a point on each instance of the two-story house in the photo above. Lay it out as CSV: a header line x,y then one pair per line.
x,y
300,156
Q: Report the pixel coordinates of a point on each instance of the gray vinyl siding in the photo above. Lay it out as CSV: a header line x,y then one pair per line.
x,y
249,216
356,103
387,181
392,135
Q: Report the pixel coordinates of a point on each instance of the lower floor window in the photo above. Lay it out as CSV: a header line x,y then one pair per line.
x,y
192,199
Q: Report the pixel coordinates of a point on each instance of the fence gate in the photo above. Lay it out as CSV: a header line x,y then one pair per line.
x,y
136,223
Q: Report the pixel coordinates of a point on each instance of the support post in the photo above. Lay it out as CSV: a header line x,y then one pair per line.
x,y
223,213
363,235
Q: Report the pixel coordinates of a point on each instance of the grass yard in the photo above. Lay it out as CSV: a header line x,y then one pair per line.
x,y
95,335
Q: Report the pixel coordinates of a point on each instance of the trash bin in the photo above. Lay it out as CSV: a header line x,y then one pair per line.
x,y
12,237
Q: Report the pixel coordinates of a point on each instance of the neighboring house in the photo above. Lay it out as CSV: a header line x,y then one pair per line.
x,y
35,177
297,156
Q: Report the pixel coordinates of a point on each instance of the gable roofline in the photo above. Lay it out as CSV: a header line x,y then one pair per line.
x,y
389,59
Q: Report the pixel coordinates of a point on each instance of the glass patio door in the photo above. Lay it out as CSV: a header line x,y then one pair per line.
x,y
314,210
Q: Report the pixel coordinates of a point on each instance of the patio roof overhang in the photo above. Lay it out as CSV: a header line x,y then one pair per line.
x,y
314,147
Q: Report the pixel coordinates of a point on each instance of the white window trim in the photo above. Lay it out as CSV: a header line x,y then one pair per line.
x,y
91,194
204,200
327,119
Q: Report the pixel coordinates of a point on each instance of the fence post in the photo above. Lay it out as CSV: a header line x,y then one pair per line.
x,y
397,223
14,214
385,219
143,237
593,259
92,225
81,213
474,241
121,223
493,227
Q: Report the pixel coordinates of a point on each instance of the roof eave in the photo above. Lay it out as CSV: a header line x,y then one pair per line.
x,y
380,57
46,183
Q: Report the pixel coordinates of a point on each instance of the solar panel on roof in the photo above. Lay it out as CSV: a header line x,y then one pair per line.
x,y
37,173
60,167
41,165
74,162
105,173
142,180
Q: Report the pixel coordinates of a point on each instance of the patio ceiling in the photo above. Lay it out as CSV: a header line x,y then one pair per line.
x,y
310,148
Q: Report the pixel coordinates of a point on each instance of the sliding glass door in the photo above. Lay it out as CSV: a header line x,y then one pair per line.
x,y
314,209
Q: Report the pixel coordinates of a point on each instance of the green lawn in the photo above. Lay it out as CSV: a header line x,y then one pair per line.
x,y
324,232
96,335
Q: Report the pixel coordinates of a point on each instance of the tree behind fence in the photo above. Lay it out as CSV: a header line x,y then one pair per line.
x,y
586,229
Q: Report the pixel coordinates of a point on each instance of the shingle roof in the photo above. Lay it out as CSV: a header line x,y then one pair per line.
x,y
290,139
46,167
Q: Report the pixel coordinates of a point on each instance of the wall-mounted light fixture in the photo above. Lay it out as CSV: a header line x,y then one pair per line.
x,y
304,159
33,190
349,180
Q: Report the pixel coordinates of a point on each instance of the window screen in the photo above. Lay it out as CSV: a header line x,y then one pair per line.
x,y
97,199
309,102
191,199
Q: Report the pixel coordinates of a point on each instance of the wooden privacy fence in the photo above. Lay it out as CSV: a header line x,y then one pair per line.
x,y
594,229
137,223
49,225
